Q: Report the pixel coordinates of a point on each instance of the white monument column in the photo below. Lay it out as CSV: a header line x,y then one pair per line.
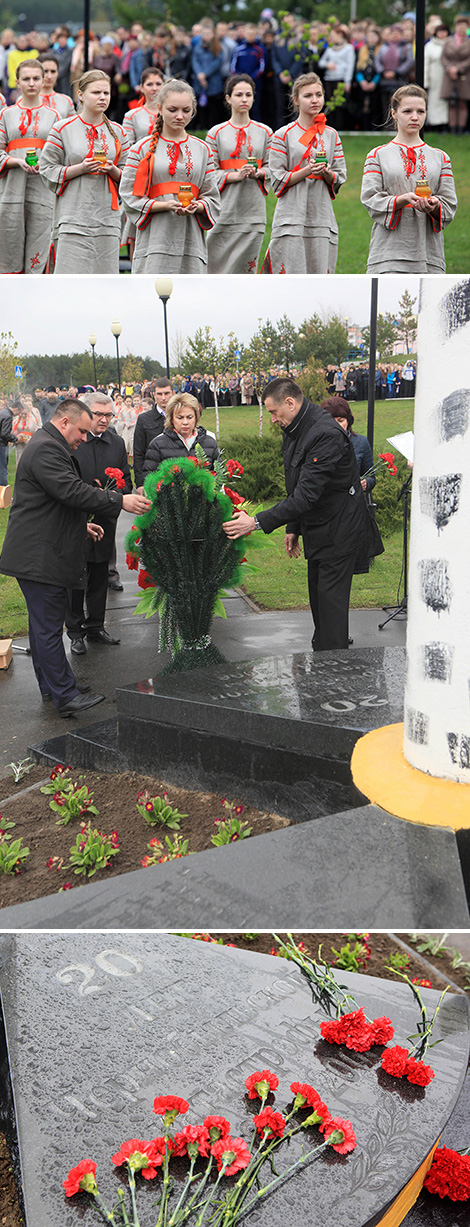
x,y
437,690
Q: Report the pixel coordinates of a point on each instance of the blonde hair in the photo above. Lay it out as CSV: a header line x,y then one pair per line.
x,y
306,78
177,402
174,86
87,78
28,64
405,91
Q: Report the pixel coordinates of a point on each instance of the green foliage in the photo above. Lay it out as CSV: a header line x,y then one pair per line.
x,y
12,855
77,369
8,360
229,830
399,961
158,812
20,769
263,476
351,958
387,334
59,781
157,855
389,513
324,338
74,801
312,381
92,851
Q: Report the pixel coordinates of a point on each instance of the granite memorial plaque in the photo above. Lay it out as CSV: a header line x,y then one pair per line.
x,y
96,1028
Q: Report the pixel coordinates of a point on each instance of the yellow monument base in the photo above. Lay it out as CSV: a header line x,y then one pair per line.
x,y
381,772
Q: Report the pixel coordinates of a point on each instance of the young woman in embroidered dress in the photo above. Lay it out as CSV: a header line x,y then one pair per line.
x,y
307,168
26,209
160,172
408,189
240,147
81,162
138,123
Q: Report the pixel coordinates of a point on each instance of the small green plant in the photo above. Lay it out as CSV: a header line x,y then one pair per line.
x,y
428,943
75,802
92,850
229,830
398,961
5,827
20,769
12,855
352,958
158,812
59,780
156,854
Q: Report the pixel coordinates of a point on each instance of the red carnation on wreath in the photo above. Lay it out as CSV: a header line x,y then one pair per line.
x,y
235,498
449,1175
132,563
145,580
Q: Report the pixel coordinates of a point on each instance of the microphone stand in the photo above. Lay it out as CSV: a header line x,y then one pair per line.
x,y
401,609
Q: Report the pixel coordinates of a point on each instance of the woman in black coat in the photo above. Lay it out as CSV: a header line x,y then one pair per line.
x,y
181,434
340,410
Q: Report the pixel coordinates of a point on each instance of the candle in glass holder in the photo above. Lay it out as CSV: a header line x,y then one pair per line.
x,y
321,159
185,194
252,162
31,158
99,154
422,189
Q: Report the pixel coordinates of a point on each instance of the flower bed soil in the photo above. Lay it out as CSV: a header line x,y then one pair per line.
x,y
381,945
115,798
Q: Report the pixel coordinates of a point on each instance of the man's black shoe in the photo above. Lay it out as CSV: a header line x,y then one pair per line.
x,y
116,585
78,647
83,687
81,702
102,637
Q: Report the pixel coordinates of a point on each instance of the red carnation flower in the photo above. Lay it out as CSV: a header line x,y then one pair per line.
x,y
340,1135
145,580
81,1179
193,1140
117,476
267,1119
305,1095
233,467
261,1083
394,1061
159,485
132,563
449,1175
139,1156
232,1152
235,498
383,1030
218,1127
170,1106
418,1073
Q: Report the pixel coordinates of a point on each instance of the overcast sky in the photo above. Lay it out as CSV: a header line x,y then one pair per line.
x,y
52,315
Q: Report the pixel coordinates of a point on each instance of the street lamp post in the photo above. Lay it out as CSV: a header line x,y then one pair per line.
x,y
116,329
164,287
92,342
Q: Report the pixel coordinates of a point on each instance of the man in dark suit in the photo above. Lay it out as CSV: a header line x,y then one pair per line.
x,y
103,449
148,426
45,544
325,505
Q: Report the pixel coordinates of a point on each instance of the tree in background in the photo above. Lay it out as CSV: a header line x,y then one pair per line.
x,y
312,381
8,360
327,338
77,369
132,369
386,335
206,354
178,347
408,321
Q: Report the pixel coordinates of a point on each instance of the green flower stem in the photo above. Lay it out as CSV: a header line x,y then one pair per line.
x,y
135,1220
125,1217
311,1155
190,1208
323,984
210,1199
190,1180
425,1025
162,1214
236,1198
107,1214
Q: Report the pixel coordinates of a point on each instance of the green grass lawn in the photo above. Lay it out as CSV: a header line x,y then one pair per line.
x,y
354,222
278,583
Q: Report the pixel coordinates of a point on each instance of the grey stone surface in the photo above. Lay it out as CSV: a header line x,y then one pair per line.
x,y
95,1029
431,1210
362,869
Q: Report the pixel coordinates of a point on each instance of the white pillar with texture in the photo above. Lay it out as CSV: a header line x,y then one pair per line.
x,y
437,690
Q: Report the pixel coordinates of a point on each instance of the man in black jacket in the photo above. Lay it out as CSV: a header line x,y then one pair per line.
x,y
103,449
45,543
6,436
324,505
148,426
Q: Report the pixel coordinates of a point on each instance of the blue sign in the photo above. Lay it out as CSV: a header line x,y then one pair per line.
x,y
18,372
238,353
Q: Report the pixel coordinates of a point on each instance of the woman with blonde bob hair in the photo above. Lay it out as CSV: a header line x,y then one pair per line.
x,y
307,168
408,190
181,435
169,189
81,162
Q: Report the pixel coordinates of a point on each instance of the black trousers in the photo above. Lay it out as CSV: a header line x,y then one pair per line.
x,y
329,587
47,606
95,594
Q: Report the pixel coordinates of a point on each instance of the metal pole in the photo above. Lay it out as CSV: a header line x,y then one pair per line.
x,y
374,289
118,365
94,364
86,34
420,35
165,321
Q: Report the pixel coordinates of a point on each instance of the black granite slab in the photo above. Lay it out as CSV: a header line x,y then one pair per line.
x,y
96,1029
431,1210
362,869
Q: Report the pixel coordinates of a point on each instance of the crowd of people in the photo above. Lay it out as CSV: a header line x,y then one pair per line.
x,y
89,160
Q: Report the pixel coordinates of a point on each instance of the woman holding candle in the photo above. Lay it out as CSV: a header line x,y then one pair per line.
x,y
26,209
240,147
408,190
307,168
81,163
138,123
170,191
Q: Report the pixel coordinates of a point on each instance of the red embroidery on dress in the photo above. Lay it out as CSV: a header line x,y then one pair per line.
x,y
34,260
282,269
91,134
236,151
252,266
36,123
189,161
25,120
249,145
422,163
408,157
173,150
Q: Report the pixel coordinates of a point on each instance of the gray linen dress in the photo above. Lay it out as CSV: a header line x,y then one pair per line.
x,y
404,240
169,242
26,209
87,217
233,246
304,236
137,124
60,103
